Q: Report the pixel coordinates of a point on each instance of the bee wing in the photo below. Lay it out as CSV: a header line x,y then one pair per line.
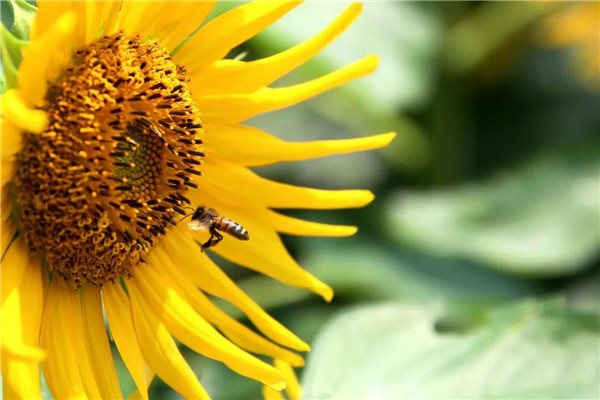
x,y
199,224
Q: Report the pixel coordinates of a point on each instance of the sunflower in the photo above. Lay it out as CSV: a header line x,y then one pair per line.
x,y
119,123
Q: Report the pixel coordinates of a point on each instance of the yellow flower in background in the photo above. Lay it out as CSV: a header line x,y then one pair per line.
x,y
114,131
578,25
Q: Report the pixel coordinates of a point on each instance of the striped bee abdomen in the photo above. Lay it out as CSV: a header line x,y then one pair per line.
x,y
233,228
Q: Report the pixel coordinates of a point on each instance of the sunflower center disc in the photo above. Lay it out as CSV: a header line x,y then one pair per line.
x,y
108,177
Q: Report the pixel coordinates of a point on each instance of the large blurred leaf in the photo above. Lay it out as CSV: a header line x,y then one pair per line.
x,y
540,219
584,293
527,350
360,269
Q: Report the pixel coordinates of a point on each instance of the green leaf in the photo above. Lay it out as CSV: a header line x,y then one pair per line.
x,y
537,220
11,56
361,268
527,350
16,23
23,14
2,78
584,293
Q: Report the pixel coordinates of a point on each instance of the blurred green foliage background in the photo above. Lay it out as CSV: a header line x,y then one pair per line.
x,y
475,272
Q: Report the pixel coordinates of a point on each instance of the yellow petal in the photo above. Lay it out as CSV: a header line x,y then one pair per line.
x,y
20,379
233,76
271,394
20,273
84,360
136,395
101,17
44,58
293,386
92,18
192,330
8,228
7,171
132,16
48,11
240,107
160,350
294,226
121,325
234,330
179,19
234,184
249,146
11,139
7,234
21,311
98,347
205,274
16,112
140,17
10,142
264,252
80,10
59,338
168,21
228,30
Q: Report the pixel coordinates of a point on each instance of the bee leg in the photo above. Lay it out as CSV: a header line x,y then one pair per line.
x,y
208,243
216,241
215,238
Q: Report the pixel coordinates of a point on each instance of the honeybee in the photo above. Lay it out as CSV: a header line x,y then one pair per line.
x,y
208,218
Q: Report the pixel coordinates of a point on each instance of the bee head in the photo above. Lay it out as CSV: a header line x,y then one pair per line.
x,y
199,213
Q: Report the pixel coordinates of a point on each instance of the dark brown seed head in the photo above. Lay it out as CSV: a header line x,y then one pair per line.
x,y
87,189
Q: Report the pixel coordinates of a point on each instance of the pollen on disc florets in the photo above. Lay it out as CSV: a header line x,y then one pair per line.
x,y
109,175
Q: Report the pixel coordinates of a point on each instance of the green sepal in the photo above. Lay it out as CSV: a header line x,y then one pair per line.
x,y
11,57
23,14
14,38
